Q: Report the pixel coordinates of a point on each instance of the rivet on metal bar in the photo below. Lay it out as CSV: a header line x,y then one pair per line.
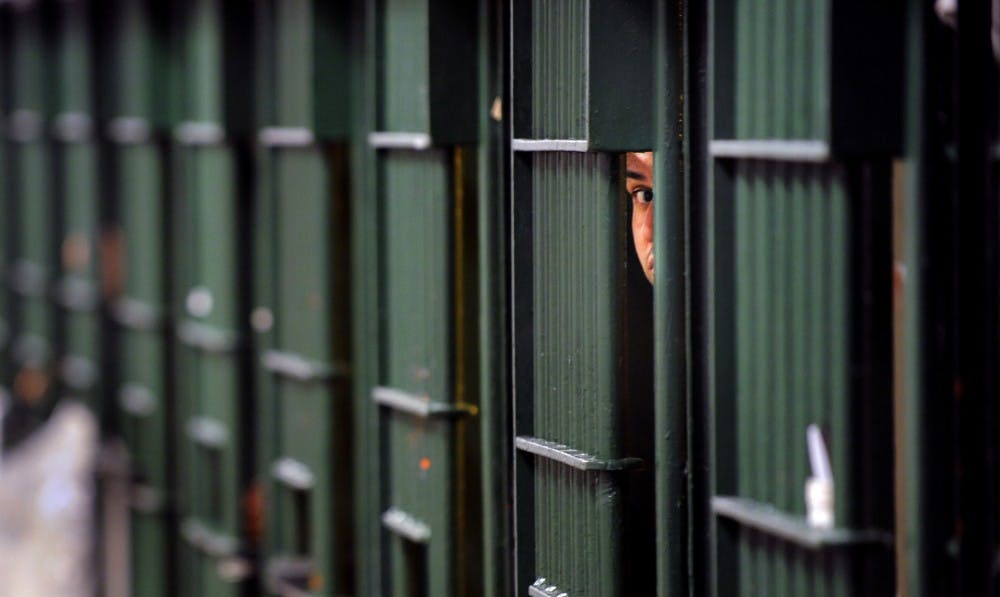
x,y
199,133
790,527
129,130
24,126
207,432
576,145
206,337
406,526
79,373
286,136
418,406
28,279
294,474
137,400
792,150
571,457
542,588
136,315
77,294
72,127
300,368
389,140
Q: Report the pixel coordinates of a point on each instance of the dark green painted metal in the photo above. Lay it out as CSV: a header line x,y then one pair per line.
x,y
33,256
137,80
144,364
803,242
208,377
588,74
306,51
427,51
76,190
925,366
493,341
567,518
416,216
849,100
675,287
366,323
309,364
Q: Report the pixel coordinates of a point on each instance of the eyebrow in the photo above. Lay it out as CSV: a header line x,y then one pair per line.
x,y
635,175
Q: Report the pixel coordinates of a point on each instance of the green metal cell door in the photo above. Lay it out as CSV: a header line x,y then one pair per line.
x,y
580,97
210,204
76,179
133,101
300,315
425,438
806,120
32,259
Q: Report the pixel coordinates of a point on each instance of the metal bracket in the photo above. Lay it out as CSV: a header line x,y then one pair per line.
x,y
28,279
575,145
571,457
286,576
390,140
792,528
77,294
24,126
208,432
207,338
78,372
137,400
300,368
200,133
129,130
136,315
406,526
72,127
790,150
293,473
30,349
541,588
418,406
207,541
286,136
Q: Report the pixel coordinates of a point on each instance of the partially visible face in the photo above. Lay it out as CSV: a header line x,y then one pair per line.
x,y
639,184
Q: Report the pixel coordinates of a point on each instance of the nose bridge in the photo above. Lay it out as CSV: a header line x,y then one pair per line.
x,y
647,223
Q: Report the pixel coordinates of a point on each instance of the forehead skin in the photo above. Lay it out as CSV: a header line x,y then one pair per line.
x,y
639,167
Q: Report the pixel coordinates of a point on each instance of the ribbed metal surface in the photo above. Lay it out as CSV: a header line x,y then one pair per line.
x,y
576,210
417,216
308,325
406,64
782,76
791,256
208,382
294,66
202,61
131,51
559,73
79,252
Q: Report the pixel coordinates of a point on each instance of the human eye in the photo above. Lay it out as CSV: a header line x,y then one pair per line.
x,y
643,195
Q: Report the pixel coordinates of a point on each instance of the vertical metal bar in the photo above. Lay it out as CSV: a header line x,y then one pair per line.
x,y
670,306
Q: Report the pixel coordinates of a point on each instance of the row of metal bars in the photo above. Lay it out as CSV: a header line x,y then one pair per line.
x,y
424,398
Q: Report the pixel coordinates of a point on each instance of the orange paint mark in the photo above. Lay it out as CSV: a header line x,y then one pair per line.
x,y
425,463
315,581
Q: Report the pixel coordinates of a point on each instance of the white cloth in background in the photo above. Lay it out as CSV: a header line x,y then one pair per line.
x,y
47,508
